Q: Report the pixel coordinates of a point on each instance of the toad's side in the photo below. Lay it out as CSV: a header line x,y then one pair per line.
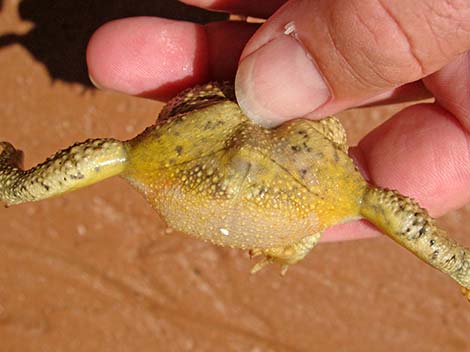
x,y
212,173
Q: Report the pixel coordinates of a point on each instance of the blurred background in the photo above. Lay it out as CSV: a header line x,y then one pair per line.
x,y
97,270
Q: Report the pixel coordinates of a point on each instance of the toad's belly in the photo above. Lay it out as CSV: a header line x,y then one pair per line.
x,y
238,222
250,195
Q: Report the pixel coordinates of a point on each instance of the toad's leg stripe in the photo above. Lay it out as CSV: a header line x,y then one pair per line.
x,y
403,220
77,166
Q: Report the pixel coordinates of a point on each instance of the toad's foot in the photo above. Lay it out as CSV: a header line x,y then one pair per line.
x,y
285,255
72,168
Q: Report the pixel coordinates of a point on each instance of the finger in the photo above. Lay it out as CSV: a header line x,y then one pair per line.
x,y
262,9
315,58
147,56
158,58
451,88
423,152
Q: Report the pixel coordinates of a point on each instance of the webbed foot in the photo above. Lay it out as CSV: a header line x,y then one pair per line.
x,y
284,256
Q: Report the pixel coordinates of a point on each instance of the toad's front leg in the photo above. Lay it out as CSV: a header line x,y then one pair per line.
x,y
286,255
75,167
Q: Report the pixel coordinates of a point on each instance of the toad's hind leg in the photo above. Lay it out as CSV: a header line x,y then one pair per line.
x,y
403,220
286,255
77,166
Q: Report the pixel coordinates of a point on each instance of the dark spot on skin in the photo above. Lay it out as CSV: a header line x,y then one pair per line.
x,y
432,242
207,125
78,176
336,156
303,172
97,168
261,192
451,259
421,232
307,148
407,229
295,148
435,254
211,124
46,187
178,149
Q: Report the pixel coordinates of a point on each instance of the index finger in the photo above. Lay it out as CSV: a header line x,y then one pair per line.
x,y
157,58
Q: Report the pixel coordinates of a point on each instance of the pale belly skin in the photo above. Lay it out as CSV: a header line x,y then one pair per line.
x,y
210,172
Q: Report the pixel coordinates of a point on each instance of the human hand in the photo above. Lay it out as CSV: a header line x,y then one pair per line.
x,y
351,53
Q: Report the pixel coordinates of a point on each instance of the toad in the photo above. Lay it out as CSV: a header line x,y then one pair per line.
x,y
211,172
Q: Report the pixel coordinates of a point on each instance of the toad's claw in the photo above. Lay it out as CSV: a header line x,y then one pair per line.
x,y
253,253
284,269
260,265
284,255
266,261
466,292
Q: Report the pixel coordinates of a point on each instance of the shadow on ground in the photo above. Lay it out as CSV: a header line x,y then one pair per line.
x,y
61,29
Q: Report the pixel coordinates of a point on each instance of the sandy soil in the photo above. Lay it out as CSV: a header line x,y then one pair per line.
x,y
96,270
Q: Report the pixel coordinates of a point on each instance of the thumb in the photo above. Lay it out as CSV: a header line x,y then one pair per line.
x,y
315,58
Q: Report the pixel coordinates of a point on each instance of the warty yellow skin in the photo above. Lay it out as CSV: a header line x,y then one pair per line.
x,y
214,174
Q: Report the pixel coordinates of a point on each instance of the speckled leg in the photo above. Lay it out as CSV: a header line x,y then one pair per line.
x,y
72,168
285,255
403,220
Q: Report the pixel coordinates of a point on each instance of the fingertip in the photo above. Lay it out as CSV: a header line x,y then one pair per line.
x,y
148,56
